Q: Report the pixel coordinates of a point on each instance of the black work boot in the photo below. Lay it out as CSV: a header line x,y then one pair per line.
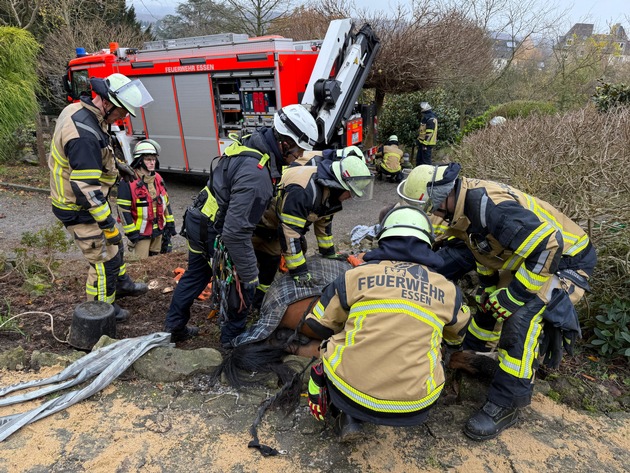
x,y
126,287
348,428
122,315
188,332
490,421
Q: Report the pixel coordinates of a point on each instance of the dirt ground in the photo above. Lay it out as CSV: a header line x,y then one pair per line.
x,y
136,425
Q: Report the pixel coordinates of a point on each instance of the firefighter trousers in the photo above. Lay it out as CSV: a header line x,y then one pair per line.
x,y
424,155
191,284
518,339
106,261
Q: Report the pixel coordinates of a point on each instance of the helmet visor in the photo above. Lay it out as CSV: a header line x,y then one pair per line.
x,y
416,204
131,96
359,186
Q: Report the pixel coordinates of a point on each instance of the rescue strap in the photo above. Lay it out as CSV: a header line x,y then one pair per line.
x,y
265,450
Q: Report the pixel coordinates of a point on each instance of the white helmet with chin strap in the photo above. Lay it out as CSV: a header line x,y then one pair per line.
x,y
298,124
145,148
122,92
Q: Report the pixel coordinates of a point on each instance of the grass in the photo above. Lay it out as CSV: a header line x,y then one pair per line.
x,y
25,174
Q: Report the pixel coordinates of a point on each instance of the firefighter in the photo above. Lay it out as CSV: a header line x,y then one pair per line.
x,y
221,221
458,260
549,259
427,134
389,160
82,171
144,205
312,195
383,323
311,200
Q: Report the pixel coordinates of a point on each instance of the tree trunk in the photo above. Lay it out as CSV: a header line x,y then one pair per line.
x,y
39,132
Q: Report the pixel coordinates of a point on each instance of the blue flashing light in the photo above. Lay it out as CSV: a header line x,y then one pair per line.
x,y
81,52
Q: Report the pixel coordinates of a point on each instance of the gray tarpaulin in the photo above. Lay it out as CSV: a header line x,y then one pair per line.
x,y
106,364
283,292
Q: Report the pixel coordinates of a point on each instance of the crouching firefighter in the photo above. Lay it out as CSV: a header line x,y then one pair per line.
x,y
548,260
383,324
223,218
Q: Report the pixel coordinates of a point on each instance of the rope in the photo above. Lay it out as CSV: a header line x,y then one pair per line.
x,y
52,324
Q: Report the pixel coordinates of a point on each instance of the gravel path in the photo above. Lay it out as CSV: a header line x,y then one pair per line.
x,y
22,211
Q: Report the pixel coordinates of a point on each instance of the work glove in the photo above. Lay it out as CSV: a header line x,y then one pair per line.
x,y
134,236
337,256
249,291
124,170
110,231
554,343
500,305
482,294
317,392
304,280
170,228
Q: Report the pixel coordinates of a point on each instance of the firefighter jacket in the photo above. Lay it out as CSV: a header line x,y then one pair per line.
x,y
240,188
507,229
144,207
427,134
385,320
391,158
304,199
82,167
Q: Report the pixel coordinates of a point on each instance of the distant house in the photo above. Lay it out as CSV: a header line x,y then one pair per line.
x,y
503,48
616,43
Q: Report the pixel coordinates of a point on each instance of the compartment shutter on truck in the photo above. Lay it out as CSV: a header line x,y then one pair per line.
x,y
182,121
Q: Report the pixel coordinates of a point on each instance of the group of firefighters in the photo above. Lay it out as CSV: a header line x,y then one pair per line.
x,y
385,323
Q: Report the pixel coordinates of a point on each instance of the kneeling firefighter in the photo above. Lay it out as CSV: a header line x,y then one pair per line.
x,y
383,323
220,223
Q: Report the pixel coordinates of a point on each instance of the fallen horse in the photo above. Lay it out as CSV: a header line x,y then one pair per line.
x,y
280,330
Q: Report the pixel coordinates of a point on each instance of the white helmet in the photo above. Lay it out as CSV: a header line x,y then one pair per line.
x,y
425,107
393,138
498,120
142,149
353,174
407,222
296,122
126,93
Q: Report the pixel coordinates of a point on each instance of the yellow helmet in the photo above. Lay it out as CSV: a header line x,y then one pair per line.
x,y
353,174
406,221
422,187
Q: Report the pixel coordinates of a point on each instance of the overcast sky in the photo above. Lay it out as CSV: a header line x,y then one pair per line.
x,y
600,12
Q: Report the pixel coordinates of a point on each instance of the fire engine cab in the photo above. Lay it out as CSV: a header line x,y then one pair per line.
x,y
207,88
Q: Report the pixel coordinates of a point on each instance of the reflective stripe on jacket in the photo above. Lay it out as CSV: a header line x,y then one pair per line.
x,y
507,229
139,210
302,202
82,167
388,320
428,129
392,159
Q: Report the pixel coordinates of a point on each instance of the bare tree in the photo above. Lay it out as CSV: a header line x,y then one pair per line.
x,y
254,17
19,13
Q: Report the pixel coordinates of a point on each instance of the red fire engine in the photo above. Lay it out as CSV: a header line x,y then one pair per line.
x,y
206,88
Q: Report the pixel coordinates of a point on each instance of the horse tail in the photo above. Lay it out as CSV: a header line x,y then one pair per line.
x,y
259,358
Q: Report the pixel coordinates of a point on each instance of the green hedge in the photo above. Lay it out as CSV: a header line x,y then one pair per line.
x,y
18,80
401,116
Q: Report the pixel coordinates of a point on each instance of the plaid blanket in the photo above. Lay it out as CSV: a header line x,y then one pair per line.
x,y
283,293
